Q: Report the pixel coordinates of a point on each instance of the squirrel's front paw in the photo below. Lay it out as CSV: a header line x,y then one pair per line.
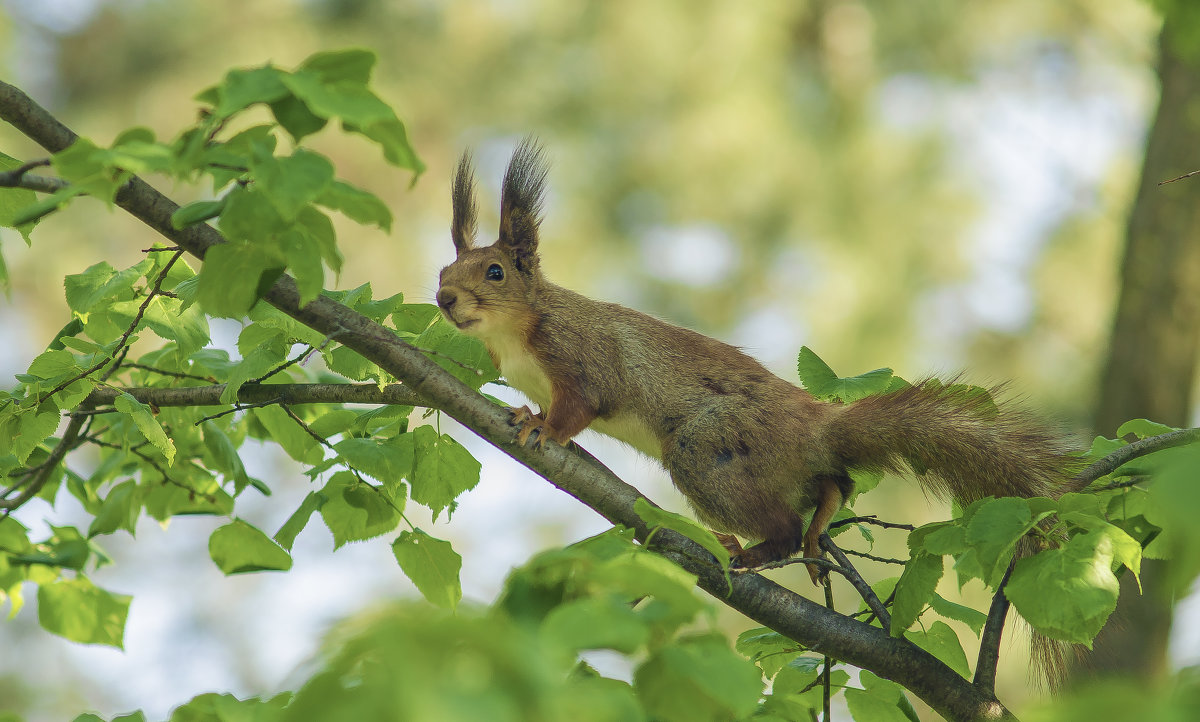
x,y
529,423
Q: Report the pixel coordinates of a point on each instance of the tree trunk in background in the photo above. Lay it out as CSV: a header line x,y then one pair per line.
x,y
1152,358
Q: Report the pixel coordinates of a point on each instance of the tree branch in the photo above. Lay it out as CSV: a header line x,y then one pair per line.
x,y
1113,461
291,394
572,470
989,641
860,584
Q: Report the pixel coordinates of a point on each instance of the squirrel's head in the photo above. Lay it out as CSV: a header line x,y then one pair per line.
x,y
490,289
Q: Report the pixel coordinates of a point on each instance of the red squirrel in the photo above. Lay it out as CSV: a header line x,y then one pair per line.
x,y
754,454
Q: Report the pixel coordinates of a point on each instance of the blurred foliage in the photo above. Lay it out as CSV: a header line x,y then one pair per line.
x,y
774,173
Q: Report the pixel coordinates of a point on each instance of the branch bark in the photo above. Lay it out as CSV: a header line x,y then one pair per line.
x,y
569,469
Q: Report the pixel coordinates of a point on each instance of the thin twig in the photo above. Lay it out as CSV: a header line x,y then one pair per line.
x,y
164,372
137,319
860,584
1179,178
989,641
210,498
872,557
302,356
871,519
780,564
240,407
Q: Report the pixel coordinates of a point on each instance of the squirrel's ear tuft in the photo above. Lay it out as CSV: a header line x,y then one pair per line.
x,y
462,196
521,203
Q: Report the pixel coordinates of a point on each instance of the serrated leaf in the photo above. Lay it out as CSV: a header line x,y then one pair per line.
x,y
442,469
53,364
354,511
101,282
656,517
822,382
238,548
388,460
82,612
767,648
147,424
914,590
1067,593
286,536
432,565
465,357
993,532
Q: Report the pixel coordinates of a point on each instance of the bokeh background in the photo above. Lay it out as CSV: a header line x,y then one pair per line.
x,y
930,185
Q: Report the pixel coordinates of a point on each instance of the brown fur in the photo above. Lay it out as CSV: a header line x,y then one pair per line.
x,y
754,454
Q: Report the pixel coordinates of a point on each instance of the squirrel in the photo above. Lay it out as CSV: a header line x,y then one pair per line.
x,y
754,454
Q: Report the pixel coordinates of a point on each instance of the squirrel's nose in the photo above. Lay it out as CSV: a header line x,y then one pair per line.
x,y
446,299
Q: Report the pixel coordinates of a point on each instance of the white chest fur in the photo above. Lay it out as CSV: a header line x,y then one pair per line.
x,y
524,374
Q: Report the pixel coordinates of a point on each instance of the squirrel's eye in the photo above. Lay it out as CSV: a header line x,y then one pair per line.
x,y
494,273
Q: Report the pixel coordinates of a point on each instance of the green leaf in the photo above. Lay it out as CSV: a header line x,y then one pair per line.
x,y
52,364
697,679
951,610
821,381
286,536
33,428
432,565
767,648
28,216
595,623
296,118
13,200
1067,593
656,517
454,350
914,590
442,469
224,455
197,212
238,548
234,276
342,66
356,204
992,535
101,282
388,460
1143,428
244,87
880,701
290,436
120,510
355,511
147,424
293,182
82,612
941,641
89,170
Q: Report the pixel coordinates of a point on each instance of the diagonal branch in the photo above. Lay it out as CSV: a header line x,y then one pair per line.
x,y
573,471
860,585
989,641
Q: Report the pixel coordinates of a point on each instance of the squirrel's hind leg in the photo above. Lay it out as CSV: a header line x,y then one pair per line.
x,y
829,501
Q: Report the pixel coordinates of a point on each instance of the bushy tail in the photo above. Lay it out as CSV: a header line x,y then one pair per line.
x,y
962,443
958,440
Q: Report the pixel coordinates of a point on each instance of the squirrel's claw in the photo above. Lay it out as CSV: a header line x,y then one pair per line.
x,y
529,423
812,550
